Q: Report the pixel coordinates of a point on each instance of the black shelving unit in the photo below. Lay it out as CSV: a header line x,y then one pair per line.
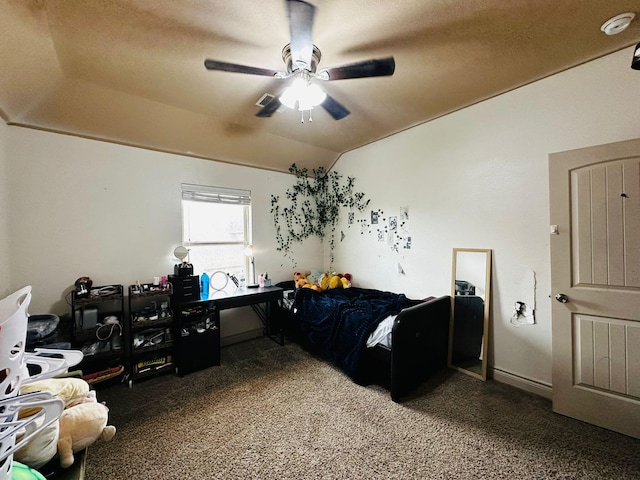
x,y
197,335
150,329
98,331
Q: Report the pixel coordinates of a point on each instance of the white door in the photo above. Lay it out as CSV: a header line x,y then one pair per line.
x,y
595,268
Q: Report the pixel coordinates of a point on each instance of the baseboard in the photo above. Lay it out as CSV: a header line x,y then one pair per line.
x,y
241,337
531,386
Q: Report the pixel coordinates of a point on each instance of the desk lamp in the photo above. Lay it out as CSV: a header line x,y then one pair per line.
x,y
248,252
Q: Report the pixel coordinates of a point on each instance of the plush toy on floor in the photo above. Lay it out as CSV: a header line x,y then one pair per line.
x,y
83,422
44,446
80,427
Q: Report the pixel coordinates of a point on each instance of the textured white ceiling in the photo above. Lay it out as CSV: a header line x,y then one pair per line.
x,y
132,72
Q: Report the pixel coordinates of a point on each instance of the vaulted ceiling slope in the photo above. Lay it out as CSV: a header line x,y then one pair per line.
x,y
132,71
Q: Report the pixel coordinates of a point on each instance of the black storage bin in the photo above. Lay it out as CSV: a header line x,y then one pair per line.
x,y
41,330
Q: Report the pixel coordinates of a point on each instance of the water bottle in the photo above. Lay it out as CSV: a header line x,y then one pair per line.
x,y
204,286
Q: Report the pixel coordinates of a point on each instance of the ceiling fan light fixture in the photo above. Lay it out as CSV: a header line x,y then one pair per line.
x,y
635,63
306,95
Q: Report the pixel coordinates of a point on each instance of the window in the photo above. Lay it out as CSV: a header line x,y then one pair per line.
x,y
216,225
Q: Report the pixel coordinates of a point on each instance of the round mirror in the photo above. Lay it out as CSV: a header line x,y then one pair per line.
x,y
181,253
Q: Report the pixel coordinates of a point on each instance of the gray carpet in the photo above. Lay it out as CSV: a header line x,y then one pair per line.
x,y
272,412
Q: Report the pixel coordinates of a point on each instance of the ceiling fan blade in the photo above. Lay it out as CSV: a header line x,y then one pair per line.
x,y
301,27
370,68
270,108
234,67
335,108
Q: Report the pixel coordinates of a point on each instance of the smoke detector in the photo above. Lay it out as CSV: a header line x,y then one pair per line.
x,y
618,23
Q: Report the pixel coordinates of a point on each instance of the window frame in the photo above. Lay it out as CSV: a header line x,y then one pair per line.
x,y
218,195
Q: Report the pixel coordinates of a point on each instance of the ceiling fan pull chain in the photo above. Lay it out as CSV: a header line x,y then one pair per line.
x,y
301,116
310,118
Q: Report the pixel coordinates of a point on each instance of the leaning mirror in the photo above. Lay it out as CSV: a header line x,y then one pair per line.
x,y
470,296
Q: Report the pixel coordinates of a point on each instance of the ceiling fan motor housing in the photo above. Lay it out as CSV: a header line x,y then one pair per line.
x,y
315,59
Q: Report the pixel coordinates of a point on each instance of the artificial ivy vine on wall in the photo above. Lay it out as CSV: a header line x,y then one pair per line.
x,y
312,206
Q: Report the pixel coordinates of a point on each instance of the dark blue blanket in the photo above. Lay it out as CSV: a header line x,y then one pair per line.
x,y
338,322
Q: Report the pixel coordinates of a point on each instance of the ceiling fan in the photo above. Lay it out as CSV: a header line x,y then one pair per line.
x,y
301,58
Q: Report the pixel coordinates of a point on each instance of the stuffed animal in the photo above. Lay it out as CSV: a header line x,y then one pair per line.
x,y
44,446
82,422
326,281
70,390
41,448
329,281
300,279
80,427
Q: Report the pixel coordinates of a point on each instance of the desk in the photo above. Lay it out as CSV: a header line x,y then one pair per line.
x,y
261,300
197,325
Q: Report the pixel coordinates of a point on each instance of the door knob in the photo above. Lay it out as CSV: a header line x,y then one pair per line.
x,y
562,298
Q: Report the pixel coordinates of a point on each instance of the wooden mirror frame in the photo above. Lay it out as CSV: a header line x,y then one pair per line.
x,y
480,370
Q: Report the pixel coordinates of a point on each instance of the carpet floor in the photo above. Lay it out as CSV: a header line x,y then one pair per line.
x,y
273,412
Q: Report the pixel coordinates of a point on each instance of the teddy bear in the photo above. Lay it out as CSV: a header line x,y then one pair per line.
x,y
43,446
81,423
80,427
300,279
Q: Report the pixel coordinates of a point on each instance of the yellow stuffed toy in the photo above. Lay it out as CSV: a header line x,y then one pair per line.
x,y
327,281
80,427
330,281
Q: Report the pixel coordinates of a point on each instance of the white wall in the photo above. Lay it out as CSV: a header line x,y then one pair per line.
x,y
475,178
478,179
80,207
5,283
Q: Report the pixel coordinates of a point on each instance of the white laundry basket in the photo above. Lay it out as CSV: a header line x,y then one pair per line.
x,y
13,337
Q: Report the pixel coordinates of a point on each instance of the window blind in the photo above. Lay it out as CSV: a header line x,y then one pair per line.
x,y
204,193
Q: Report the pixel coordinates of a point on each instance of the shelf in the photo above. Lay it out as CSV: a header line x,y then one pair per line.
x,y
151,366
97,333
95,298
149,290
153,370
198,336
105,301
161,322
103,356
145,302
152,348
